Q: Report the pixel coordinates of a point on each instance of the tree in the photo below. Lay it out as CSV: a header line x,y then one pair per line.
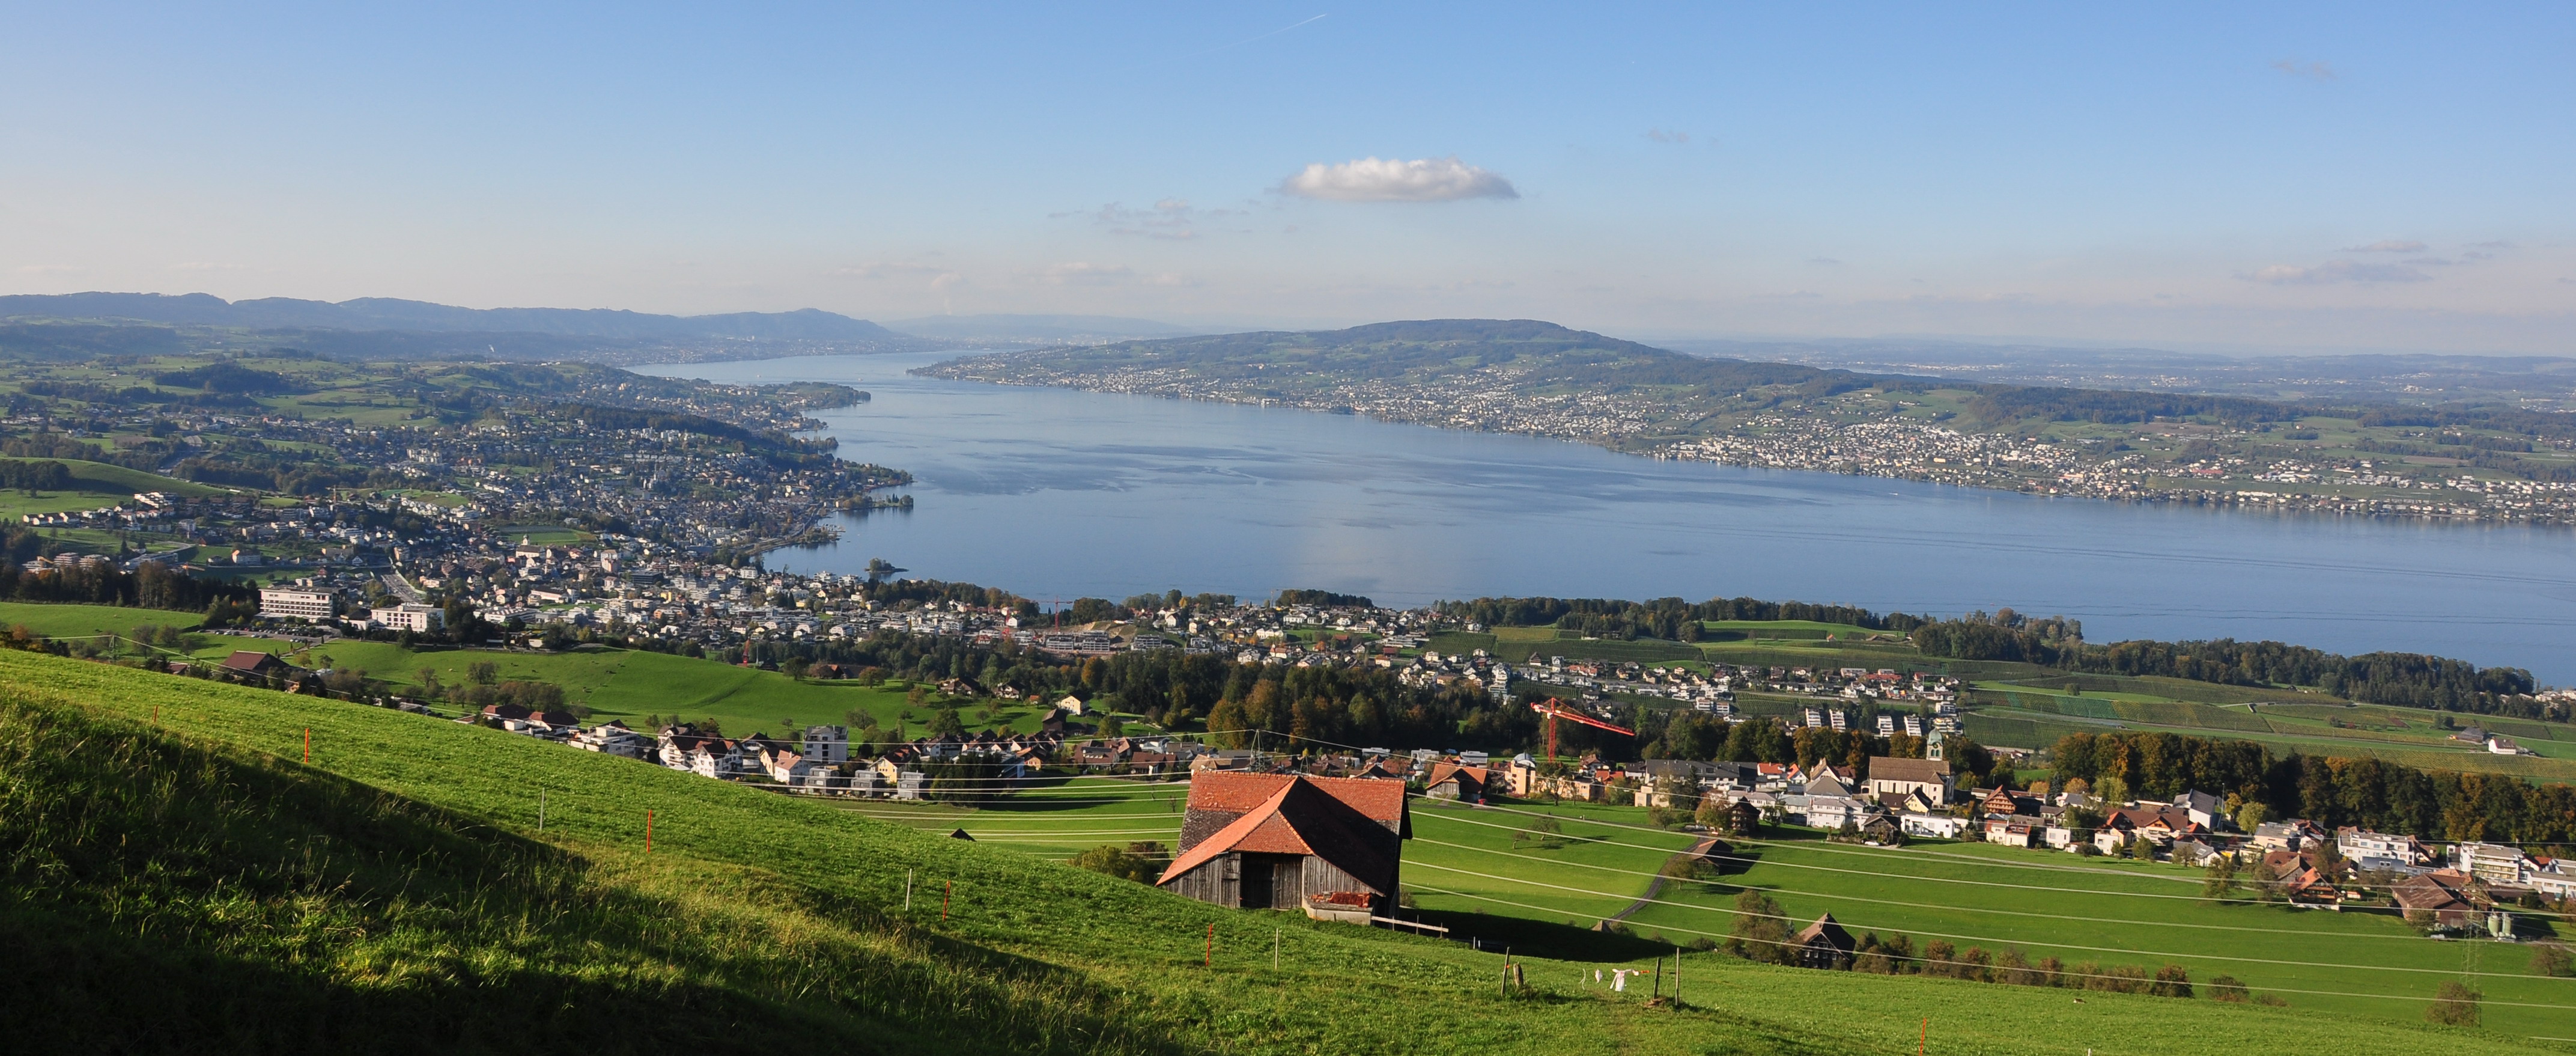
x,y
2251,816
483,672
2171,981
947,723
2221,878
2552,959
1761,932
1122,862
2455,1005
1713,812
2111,790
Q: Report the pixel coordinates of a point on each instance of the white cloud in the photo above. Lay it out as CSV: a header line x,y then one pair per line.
x,y
2387,245
1661,136
2337,271
2294,68
1390,180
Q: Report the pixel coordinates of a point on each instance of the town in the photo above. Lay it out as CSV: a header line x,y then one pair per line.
x,y
1911,429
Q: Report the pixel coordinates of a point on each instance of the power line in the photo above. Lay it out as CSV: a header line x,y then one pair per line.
x,y
1989,938
1927,960
1933,879
1930,905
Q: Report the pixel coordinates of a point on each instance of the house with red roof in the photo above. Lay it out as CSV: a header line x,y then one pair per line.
x,y
1275,841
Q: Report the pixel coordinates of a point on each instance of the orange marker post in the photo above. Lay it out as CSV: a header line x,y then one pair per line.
x,y
1210,962
1924,1038
308,746
648,832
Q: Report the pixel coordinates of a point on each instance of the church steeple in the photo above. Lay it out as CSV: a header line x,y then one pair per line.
x,y
1932,745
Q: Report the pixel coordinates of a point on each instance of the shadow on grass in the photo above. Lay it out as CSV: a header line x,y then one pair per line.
x,y
1540,938
234,902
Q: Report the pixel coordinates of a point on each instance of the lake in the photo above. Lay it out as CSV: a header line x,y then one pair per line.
x,y
1052,493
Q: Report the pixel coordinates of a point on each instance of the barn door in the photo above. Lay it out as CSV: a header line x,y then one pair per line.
x,y
1257,875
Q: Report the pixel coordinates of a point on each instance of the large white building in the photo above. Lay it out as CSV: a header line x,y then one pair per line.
x,y
280,603
411,617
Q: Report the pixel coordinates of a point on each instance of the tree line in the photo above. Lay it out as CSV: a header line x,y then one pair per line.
x,y
32,477
2410,680
2371,793
151,585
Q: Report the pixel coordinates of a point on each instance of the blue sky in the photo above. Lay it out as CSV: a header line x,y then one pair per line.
x,y
2330,176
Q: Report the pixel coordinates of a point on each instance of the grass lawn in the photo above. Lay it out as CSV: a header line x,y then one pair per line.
x,y
629,685
73,621
1788,630
2122,914
436,898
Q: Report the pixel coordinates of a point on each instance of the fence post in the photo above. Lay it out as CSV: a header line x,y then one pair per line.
x,y
541,810
648,832
1210,961
947,888
308,746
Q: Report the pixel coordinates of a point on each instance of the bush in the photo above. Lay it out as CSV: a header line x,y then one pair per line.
x,y
1141,862
2551,958
2454,1005
2227,988
2171,981
1761,932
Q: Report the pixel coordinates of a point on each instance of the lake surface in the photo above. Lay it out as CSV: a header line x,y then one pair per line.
x,y
1052,493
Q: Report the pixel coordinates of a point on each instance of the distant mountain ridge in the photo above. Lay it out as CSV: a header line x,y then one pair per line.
x,y
388,313
1039,329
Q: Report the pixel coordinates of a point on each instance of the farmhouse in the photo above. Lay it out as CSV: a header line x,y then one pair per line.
x,y
1823,944
1268,841
1452,781
254,662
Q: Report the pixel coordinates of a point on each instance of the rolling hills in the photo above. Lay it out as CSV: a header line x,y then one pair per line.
x,y
424,886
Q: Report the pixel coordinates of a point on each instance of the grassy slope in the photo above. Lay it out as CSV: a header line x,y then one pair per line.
x,y
623,684
68,621
756,911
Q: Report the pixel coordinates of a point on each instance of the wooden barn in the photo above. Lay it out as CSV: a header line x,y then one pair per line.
x,y
1269,841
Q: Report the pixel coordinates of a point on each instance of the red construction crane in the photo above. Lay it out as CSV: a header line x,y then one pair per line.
x,y
1555,709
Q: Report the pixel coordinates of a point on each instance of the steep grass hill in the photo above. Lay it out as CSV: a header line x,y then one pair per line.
x,y
176,878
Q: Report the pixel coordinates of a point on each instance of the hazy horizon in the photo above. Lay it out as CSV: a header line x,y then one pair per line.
x,y
2325,179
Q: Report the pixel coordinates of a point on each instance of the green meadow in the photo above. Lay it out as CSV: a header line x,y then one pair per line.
x,y
80,621
398,893
1542,874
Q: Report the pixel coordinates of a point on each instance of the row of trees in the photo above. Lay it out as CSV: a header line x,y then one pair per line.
x,y
150,586
2371,793
2404,679
32,477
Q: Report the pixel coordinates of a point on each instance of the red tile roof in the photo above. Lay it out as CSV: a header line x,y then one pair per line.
x,y
1236,792
1354,824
